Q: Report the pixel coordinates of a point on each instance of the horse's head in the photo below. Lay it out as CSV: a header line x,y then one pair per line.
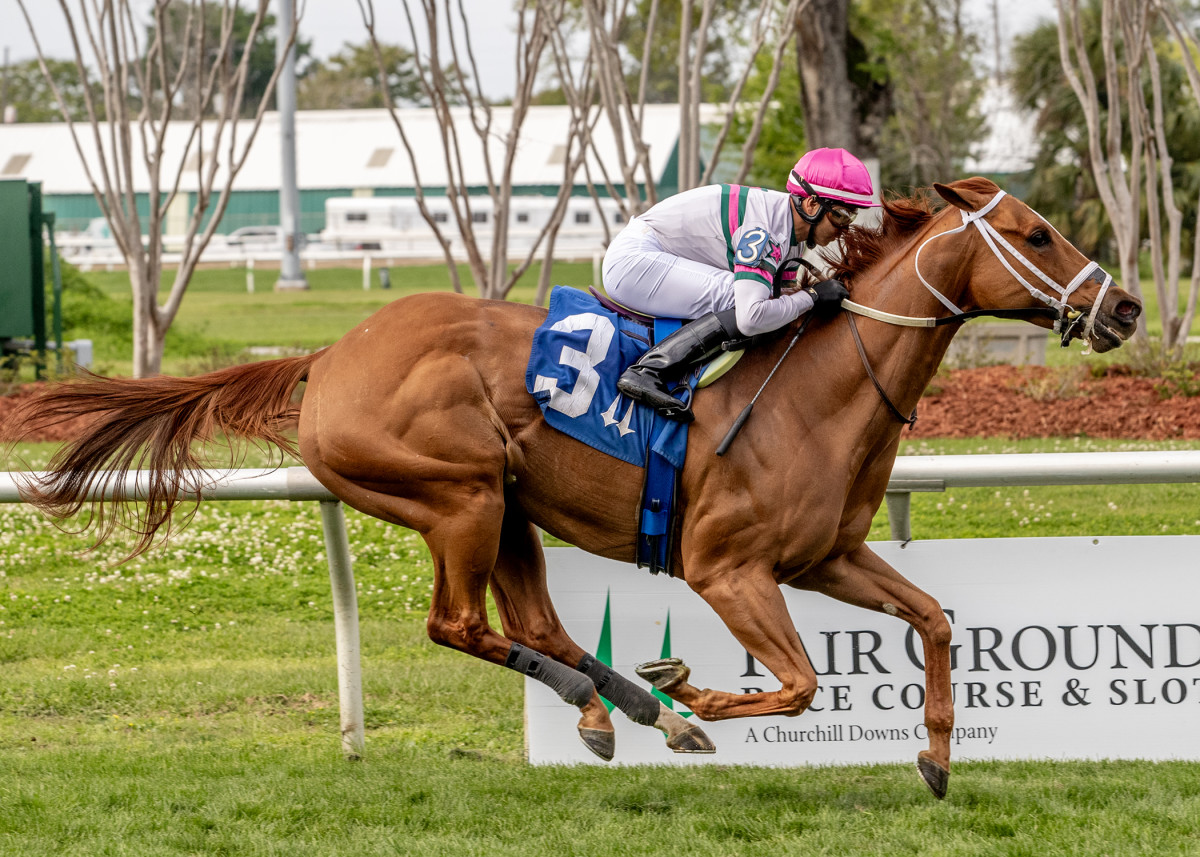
x,y
1023,262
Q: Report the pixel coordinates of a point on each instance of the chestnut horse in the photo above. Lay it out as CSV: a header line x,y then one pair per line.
x,y
420,416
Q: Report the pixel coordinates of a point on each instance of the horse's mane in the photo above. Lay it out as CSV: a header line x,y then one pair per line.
x,y
862,247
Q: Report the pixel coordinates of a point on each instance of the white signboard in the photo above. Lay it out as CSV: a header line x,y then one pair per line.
x,y
1063,648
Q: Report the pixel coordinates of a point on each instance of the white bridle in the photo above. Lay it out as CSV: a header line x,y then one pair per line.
x,y
994,240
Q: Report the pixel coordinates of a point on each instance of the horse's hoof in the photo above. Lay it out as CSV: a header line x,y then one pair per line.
x,y
603,744
691,740
664,673
682,737
934,775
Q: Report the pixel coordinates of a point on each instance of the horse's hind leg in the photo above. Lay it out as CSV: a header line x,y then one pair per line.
x,y
528,617
461,523
863,579
465,550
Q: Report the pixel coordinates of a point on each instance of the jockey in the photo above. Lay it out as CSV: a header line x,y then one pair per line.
x,y
717,254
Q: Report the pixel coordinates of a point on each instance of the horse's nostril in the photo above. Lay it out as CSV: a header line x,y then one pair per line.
x,y
1128,311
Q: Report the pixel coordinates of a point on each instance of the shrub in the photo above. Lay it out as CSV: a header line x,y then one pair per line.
x,y
89,313
1172,375
1052,385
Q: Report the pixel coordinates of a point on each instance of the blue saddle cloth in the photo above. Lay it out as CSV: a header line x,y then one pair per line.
x,y
578,354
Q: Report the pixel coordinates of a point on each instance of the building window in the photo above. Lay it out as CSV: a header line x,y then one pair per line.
x,y
441,217
522,217
16,165
479,217
583,217
380,158
618,218
356,216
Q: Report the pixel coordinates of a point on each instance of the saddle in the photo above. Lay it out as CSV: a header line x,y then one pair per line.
x,y
576,357
659,328
658,509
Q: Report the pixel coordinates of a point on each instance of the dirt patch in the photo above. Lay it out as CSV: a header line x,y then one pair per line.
x,y
996,401
14,398
1034,401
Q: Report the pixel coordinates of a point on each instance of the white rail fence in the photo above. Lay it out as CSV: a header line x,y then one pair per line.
x,y
919,473
911,474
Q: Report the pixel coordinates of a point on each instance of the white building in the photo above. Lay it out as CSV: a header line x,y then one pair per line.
x,y
340,153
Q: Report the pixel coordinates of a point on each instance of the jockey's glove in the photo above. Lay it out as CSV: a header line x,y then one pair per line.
x,y
827,295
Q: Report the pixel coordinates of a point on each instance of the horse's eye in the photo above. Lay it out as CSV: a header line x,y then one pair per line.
x,y
1040,238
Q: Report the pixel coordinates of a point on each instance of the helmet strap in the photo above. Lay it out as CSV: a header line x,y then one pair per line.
x,y
823,206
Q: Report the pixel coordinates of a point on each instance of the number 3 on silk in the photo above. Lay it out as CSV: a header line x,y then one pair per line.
x,y
754,245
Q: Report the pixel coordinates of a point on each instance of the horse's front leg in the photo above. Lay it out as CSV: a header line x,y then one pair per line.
x,y
749,602
863,579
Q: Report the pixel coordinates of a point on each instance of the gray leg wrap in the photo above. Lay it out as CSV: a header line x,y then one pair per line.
x,y
570,685
638,704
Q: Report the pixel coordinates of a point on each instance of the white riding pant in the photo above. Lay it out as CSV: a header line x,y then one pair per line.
x,y
641,275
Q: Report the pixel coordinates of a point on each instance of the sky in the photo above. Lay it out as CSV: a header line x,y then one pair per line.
x,y
330,24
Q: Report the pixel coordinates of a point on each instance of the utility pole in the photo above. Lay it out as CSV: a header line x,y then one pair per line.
x,y
996,40
4,117
291,276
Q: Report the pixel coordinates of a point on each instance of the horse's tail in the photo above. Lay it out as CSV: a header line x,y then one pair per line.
x,y
153,424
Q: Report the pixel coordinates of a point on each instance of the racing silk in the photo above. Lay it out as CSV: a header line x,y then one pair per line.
x,y
747,234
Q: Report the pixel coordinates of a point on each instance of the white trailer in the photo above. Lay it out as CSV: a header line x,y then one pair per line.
x,y
395,226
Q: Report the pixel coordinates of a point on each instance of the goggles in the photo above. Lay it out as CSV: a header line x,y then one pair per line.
x,y
842,215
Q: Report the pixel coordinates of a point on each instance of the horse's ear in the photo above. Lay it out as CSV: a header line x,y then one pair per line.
x,y
964,194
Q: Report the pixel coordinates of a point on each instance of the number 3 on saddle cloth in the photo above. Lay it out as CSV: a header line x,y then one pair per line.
x,y
578,354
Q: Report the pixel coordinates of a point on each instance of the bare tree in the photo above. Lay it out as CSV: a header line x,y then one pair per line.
x,y
784,27
442,84
691,67
1134,155
579,91
600,96
1117,170
1175,326
128,138
625,109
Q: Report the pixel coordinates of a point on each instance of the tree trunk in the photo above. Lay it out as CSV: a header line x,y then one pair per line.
x,y
148,338
830,114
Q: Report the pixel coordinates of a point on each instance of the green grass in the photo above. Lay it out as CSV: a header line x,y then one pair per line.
x,y
186,703
219,314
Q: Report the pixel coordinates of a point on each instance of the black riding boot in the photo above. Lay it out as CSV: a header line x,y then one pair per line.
x,y
646,380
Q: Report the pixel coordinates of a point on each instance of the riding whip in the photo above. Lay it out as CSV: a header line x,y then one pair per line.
x,y
745,414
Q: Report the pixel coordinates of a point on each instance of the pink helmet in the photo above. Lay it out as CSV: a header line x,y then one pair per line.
x,y
833,174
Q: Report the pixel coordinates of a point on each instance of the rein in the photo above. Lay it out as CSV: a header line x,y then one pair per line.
x,y
1024,313
1066,319
909,421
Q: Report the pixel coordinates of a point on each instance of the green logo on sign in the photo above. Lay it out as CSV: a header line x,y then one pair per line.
x,y
604,652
